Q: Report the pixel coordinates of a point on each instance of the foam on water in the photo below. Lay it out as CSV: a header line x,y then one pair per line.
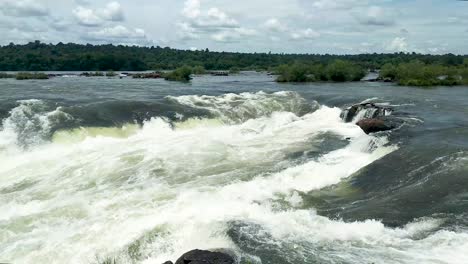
x,y
167,188
241,107
82,133
30,124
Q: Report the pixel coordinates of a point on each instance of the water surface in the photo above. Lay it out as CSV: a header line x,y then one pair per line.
x,y
145,170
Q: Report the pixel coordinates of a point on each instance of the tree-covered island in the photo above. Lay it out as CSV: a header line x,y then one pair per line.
x,y
403,68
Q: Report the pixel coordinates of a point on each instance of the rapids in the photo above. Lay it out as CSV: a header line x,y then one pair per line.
x,y
272,173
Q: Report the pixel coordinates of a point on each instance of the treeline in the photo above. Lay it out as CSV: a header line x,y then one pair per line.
x,y
37,56
417,73
336,71
24,76
413,73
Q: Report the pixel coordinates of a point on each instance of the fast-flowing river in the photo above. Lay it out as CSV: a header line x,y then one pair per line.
x,y
141,171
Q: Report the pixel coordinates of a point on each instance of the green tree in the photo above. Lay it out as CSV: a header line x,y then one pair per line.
x,y
182,74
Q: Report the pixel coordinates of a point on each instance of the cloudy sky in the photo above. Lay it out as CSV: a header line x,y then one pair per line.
x,y
290,26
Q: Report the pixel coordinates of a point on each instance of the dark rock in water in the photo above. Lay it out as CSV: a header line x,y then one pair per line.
x,y
365,111
146,75
373,125
219,73
205,257
168,262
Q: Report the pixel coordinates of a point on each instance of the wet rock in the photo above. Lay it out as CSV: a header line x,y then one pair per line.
x,y
168,262
205,257
220,73
147,75
364,111
372,125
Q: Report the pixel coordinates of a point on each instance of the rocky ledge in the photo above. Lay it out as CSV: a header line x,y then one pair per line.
x,y
373,125
370,117
203,257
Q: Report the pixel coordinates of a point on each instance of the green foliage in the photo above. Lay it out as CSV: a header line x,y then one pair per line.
x,y
388,71
296,72
111,74
31,76
37,56
336,71
4,75
464,75
234,70
344,71
93,74
182,74
404,68
417,73
199,70
147,75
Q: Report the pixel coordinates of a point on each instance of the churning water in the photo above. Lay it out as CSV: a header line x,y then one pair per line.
x,y
143,171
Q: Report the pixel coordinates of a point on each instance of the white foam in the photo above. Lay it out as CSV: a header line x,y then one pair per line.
x,y
241,107
29,124
70,203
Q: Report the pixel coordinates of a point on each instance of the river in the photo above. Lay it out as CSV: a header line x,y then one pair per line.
x,y
141,171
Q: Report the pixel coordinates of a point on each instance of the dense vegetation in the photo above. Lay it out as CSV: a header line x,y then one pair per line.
x,y
417,73
404,68
180,74
336,71
37,56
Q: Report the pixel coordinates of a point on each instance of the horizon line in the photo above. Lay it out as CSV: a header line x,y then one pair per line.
x,y
234,52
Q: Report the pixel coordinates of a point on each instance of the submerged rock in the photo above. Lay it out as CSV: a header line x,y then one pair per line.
x,y
204,257
372,125
364,111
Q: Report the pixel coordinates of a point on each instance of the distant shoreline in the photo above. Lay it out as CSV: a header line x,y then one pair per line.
x,y
38,56
31,60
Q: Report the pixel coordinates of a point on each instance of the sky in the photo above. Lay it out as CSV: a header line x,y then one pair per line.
x,y
279,26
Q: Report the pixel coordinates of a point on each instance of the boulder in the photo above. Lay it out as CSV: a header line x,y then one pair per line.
x,y
372,125
205,257
365,111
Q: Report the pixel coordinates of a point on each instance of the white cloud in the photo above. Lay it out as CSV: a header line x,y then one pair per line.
x,y
87,17
59,24
119,35
209,22
212,19
398,44
376,16
23,26
233,35
192,8
186,32
305,34
217,18
274,25
118,32
91,17
82,2
112,12
336,4
404,31
363,25
23,8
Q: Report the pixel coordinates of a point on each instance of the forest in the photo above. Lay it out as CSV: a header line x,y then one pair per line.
x,y
409,69
38,56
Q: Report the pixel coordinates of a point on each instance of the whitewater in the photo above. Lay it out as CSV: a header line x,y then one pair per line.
x,y
236,176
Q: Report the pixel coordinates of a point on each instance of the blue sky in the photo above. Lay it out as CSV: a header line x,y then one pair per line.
x,y
290,26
